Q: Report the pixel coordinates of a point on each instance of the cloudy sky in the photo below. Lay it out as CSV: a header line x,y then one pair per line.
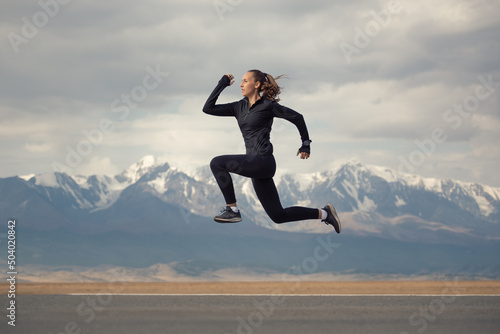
x,y
91,86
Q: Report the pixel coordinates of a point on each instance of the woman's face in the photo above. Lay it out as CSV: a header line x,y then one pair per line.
x,y
248,85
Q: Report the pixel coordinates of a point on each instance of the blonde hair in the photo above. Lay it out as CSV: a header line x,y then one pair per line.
x,y
268,86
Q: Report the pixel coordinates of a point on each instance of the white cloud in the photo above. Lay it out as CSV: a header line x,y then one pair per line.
x,y
37,147
98,166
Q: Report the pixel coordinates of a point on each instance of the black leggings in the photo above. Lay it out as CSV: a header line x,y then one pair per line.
x,y
261,169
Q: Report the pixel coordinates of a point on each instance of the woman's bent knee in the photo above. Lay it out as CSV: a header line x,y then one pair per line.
x,y
215,163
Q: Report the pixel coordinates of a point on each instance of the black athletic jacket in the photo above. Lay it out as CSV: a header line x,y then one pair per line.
x,y
255,122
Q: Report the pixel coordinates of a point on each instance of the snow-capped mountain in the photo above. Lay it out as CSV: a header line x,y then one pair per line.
x,y
370,200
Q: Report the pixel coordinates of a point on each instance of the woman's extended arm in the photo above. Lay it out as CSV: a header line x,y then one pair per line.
x,y
293,117
297,119
220,109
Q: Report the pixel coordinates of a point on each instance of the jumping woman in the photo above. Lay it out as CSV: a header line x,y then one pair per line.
x,y
255,113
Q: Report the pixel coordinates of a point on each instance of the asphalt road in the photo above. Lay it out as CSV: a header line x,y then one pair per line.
x,y
124,314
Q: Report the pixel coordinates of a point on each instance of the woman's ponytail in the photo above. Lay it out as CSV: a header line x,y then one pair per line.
x,y
268,86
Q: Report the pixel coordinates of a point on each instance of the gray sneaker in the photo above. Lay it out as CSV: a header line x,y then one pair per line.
x,y
228,216
332,218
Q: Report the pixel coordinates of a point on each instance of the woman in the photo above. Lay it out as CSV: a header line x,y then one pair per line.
x,y
255,113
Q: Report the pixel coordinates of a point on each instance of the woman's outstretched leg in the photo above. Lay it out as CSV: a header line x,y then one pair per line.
x,y
268,196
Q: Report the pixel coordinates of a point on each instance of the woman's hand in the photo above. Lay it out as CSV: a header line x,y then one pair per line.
x,y
304,151
231,78
303,155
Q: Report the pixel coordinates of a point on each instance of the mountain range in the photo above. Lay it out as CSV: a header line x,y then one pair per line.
x,y
390,217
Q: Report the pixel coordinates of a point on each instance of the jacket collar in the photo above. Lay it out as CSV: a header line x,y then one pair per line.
x,y
261,100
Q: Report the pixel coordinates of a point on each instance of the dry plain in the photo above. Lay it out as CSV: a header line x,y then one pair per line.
x,y
452,287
